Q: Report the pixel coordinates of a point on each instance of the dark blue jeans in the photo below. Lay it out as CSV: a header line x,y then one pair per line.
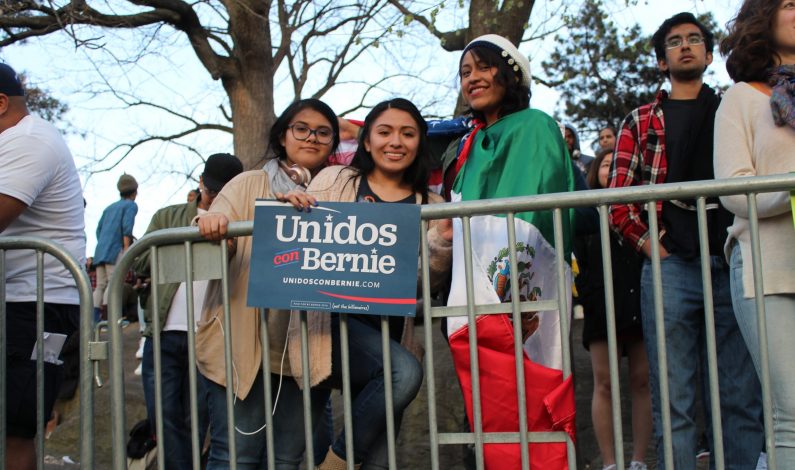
x,y
367,384
740,392
288,422
176,440
323,432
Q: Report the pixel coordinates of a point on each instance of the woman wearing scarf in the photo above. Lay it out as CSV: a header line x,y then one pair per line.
x,y
512,151
755,135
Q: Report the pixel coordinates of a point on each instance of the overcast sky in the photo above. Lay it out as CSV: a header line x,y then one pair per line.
x,y
175,77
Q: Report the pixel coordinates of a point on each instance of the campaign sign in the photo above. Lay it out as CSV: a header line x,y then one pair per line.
x,y
341,257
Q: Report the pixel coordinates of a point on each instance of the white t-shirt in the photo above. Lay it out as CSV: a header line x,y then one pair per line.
x,y
38,169
177,319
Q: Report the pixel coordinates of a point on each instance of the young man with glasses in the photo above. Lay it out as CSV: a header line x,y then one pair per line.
x,y
671,140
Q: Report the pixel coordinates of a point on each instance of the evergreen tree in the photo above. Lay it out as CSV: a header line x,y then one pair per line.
x,y
602,74
41,102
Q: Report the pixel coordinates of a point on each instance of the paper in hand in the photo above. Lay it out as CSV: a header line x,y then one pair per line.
x,y
53,343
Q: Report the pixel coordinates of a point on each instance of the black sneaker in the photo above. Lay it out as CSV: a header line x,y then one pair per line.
x,y
141,440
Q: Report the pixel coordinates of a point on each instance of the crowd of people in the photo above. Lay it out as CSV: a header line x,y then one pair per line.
x,y
499,147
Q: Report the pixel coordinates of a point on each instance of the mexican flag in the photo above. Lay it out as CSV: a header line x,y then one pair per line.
x,y
520,154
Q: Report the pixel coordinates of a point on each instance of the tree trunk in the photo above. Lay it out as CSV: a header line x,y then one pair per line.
x,y
250,85
508,20
252,114
487,17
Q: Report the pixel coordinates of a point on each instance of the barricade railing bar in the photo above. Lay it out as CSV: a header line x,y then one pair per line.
x,y
189,238
41,248
649,195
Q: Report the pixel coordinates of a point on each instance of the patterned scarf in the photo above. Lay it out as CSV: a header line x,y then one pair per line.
x,y
782,101
469,139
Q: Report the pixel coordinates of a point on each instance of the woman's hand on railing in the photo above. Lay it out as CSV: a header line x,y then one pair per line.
x,y
299,199
213,226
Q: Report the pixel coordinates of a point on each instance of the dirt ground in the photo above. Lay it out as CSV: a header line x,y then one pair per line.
x,y
66,438
413,447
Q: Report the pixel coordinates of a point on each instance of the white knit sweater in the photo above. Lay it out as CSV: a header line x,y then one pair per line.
x,y
748,143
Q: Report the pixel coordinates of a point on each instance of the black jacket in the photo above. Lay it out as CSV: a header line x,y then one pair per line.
x,y
626,264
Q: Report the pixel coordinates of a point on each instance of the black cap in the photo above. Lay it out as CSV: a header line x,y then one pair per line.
x,y
10,85
219,169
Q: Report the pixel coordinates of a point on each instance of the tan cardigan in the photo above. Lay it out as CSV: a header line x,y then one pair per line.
x,y
340,184
236,201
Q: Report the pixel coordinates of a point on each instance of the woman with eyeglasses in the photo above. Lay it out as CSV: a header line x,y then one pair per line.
x,y
301,140
754,136
391,166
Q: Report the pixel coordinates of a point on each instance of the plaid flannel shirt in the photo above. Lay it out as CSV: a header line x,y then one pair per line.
x,y
639,158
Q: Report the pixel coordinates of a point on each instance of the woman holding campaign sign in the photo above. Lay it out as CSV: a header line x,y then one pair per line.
x,y
512,151
391,165
301,140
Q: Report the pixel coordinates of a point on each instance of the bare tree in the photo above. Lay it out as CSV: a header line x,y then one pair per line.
x,y
241,43
508,18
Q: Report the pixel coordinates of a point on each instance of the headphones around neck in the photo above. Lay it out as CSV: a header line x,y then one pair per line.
x,y
298,174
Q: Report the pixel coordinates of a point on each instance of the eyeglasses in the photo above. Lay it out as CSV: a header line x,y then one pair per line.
x,y
323,135
677,41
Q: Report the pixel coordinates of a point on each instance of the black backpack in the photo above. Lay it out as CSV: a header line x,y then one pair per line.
x,y
141,440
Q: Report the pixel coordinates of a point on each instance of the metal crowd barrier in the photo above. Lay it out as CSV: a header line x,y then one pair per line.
x,y
187,241
89,350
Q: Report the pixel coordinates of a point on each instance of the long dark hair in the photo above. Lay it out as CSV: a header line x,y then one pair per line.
x,y
416,175
592,178
282,123
749,47
517,96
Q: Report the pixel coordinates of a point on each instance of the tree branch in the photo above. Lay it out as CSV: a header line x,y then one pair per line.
x,y
451,40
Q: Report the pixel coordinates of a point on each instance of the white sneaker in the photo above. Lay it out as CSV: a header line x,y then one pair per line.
x,y
635,465
612,466
139,354
138,370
